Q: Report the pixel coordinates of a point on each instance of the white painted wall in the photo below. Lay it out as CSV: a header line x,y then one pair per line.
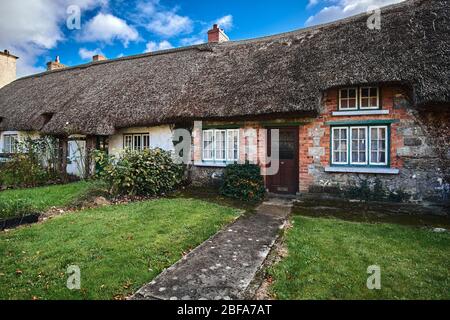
x,y
160,137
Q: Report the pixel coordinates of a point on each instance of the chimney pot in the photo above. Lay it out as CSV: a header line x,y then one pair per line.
x,y
217,35
54,65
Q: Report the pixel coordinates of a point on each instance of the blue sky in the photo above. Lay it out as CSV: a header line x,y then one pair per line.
x,y
37,31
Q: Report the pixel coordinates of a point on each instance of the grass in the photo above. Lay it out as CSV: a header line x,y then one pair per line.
x,y
328,259
43,198
118,248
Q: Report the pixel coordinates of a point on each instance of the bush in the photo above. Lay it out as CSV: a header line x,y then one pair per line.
x,y
142,173
243,182
34,164
16,208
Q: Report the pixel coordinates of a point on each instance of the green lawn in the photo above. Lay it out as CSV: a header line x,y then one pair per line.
x,y
118,248
328,259
43,198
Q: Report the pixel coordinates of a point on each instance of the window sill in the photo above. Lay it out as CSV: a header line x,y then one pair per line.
x,y
362,170
210,164
360,112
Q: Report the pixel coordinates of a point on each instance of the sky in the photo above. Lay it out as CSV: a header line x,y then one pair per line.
x,y
39,30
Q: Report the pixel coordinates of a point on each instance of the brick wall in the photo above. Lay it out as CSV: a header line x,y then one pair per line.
x,y
412,150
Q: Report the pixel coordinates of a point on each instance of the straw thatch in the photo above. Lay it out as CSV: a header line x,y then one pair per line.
x,y
282,74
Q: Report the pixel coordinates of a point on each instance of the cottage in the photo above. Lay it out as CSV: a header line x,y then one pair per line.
x,y
347,102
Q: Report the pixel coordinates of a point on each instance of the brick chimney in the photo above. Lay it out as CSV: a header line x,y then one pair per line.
x,y
55,65
217,35
7,68
98,57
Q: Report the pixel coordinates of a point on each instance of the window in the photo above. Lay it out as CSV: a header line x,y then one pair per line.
x,y
348,99
339,137
360,145
10,143
369,98
362,99
136,141
220,145
378,145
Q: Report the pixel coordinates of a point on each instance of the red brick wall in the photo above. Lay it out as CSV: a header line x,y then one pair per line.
x,y
330,104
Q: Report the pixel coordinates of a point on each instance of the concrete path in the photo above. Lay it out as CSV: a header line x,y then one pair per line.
x,y
222,267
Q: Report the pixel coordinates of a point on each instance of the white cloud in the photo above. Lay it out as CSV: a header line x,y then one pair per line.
x,y
87,54
29,28
160,20
169,24
344,8
312,3
226,22
153,46
107,28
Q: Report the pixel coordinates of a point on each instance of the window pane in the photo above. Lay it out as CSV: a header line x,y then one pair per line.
x,y
352,103
344,93
352,93
208,148
145,141
232,145
365,92
373,102
220,144
137,143
378,145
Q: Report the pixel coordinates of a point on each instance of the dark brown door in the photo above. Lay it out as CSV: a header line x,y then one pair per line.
x,y
286,180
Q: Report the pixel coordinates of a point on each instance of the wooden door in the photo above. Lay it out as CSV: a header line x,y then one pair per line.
x,y
286,180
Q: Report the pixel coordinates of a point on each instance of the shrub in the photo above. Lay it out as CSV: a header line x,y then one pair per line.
x,y
143,173
34,164
15,208
243,182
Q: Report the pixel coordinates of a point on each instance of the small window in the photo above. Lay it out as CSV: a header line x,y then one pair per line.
x,y
233,145
348,99
339,145
378,145
220,145
136,141
358,146
369,98
10,142
208,145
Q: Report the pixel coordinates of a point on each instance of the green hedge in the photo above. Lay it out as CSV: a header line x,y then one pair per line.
x,y
243,182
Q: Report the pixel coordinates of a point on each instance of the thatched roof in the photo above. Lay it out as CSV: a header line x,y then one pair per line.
x,y
286,73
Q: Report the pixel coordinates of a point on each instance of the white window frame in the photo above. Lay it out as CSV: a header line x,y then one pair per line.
x,y
214,133
369,97
132,136
332,146
12,146
386,128
229,149
366,128
356,99
225,142
213,151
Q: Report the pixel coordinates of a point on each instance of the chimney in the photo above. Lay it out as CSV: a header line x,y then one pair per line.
x,y
98,57
55,65
7,68
217,35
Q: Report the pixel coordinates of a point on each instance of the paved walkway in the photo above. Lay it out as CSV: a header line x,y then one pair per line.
x,y
222,267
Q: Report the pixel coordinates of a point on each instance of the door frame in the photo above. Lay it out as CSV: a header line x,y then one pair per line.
x,y
297,157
